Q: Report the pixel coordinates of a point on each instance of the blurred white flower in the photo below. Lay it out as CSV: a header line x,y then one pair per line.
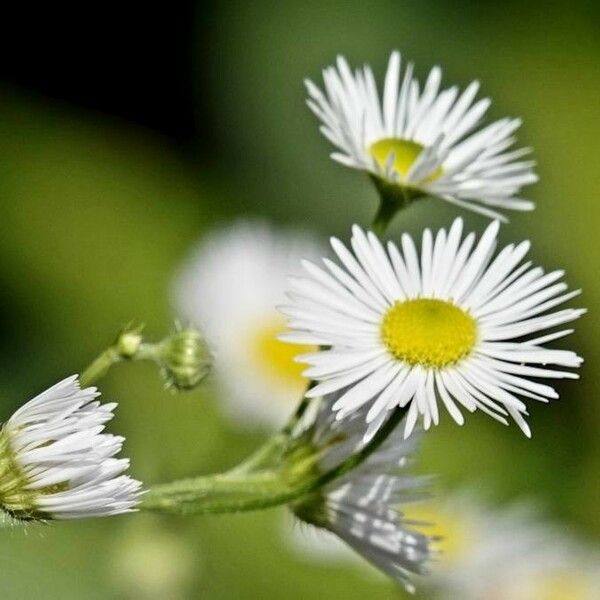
x,y
230,287
450,325
422,142
501,554
55,462
574,576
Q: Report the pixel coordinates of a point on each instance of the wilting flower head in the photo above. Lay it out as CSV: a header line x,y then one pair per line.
x,y
453,324
364,507
230,287
421,142
56,462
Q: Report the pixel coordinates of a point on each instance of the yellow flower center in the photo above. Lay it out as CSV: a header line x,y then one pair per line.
x,y
428,332
454,535
405,153
276,358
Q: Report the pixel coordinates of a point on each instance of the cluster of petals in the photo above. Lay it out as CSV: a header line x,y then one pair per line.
x,y
472,167
66,461
342,307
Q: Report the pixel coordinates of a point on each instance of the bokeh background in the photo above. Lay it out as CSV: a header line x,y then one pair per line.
x,y
127,132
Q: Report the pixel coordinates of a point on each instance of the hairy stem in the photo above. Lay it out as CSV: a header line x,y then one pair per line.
x,y
218,494
240,490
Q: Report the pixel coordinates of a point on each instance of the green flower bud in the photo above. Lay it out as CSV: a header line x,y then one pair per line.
x,y
129,341
184,358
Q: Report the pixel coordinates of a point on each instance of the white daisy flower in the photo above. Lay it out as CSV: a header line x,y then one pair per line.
x,y
55,462
230,288
364,507
416,143
454,325
536,557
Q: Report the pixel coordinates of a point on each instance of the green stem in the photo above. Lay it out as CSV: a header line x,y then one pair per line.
x,y
392,199
100,366
125,347
245,487
240,491
383,217
218,494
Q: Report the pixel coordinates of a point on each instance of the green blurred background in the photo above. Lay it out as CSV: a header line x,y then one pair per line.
x,y
125,135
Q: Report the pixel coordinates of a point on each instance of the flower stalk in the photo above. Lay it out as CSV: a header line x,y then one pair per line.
x,y
183,357
125,347
392,199
282,471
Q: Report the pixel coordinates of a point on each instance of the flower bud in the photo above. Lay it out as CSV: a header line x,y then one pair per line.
x,y
129,341
184,358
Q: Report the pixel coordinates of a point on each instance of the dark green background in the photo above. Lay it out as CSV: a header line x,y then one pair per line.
x,y
96,214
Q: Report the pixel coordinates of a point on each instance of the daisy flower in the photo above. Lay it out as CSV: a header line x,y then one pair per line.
x,y
417,142
454,325
55,462
229,288
364,508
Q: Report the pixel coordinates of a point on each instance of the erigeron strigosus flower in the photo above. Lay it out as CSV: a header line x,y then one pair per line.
x,y
452,325
417,142
57,463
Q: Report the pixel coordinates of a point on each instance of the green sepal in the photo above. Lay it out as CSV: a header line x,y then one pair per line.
x,y
392,199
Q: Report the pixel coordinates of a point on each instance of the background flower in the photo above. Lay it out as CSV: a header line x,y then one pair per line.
x,y
230,288
503,553
576,577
